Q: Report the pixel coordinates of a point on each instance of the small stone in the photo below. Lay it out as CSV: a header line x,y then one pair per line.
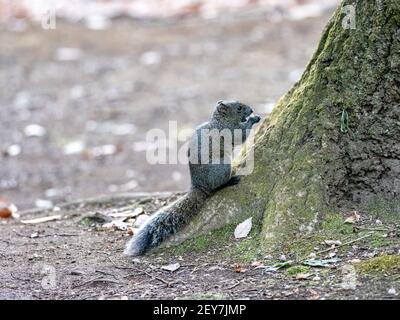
x,y
43,204
34,130
392,291
68,54
13,150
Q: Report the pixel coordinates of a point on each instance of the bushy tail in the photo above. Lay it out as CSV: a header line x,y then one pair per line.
x,y
165,222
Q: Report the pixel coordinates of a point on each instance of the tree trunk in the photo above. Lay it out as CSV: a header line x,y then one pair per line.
x,y
331,144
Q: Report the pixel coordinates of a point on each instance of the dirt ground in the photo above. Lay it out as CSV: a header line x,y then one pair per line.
x,y
123,81
74,258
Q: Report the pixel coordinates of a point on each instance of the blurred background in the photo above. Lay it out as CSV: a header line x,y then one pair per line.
x,y
79,96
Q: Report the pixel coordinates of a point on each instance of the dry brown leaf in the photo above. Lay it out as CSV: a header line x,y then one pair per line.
x,y
303,276
238,268
354,218
7,209
333,242
132,231
171,267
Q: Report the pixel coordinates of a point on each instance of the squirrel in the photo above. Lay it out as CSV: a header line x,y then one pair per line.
x,y
206,178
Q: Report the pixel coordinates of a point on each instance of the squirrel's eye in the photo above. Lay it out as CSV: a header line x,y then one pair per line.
x,y
240,108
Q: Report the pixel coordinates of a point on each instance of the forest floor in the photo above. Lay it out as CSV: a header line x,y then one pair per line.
x,y
76,257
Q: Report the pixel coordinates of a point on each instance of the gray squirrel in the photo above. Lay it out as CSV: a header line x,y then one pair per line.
x,y
206,176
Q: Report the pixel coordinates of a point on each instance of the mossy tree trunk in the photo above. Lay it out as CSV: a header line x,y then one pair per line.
x,y
332,142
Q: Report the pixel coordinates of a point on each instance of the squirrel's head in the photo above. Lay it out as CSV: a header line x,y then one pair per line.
x,y
233,109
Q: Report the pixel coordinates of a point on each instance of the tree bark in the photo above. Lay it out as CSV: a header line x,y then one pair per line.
x,y
331,144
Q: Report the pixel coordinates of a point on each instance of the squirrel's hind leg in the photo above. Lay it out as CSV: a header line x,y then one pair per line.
x,y
232,181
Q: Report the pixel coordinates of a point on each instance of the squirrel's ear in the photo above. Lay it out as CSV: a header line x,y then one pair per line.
x,y
221,107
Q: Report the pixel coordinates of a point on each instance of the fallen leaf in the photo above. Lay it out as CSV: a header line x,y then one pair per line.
x,y
333,242
41,220
127,214
321,263
138,211
256,264
116,224
238,268
355,217
243,229
7,209
314,295
171,267
277,266
303,276
332,254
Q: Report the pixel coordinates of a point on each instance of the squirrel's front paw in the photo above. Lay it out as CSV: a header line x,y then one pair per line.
x,y
256,119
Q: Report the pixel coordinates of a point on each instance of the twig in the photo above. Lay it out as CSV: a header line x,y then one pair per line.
x,y
20,234
344,244
142,272
21,279
234,286
155,277
119,267
106,273
374,229
98,279
65,235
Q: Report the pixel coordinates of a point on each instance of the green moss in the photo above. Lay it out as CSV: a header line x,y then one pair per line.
x,y
245,251
334,225
378,240
210,296
386,264
384,210
235,250
292,271
214,239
